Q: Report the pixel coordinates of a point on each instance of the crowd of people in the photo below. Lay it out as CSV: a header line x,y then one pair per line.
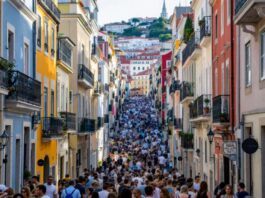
x,y
138,166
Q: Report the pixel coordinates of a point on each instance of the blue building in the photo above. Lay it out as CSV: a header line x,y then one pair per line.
x,y
23,98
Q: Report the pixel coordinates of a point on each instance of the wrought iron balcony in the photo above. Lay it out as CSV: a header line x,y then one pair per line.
x,y
106,118
69,121
85,76
187,140
100,122
175,86
23,89
87,125
200,109
205,27
98,89
52,127
191,47
65,51
221,109
178,123
249,11
170,116
186,91
106,88
51,8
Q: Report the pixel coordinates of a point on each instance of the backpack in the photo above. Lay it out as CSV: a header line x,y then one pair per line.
x,y
69,195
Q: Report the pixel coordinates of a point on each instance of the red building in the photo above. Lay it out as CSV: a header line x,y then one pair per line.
x,y
165,65
224,85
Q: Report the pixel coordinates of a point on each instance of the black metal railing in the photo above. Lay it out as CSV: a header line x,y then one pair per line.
x,y
239,5
98,88
205,27
100,122
64,52
69,120
110,107
24,88
106,118
52,127
85,74
186,90
201,106
187,141
106,87
176,85
221,109
87,125
170,115
178,123
190,47
51,7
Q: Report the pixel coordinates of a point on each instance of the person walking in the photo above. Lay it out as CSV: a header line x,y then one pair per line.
x,y
71,191
228,192
242,193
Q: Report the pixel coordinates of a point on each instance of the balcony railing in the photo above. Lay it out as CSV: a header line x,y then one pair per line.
x,y
87,125
186,90
221,109
178,123
205,27
190,47
239,5
100,122
201,107
106,87
51,8
98,88
170,115
85,74
65,52
106,118
52,127
110,107
69,121
24,88
187,140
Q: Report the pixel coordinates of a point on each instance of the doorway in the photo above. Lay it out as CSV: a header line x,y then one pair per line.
x,y
46,168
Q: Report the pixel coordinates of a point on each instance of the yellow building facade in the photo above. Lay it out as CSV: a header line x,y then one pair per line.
x,y
50,127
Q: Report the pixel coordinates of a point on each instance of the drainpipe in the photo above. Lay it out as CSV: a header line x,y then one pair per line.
x,y
34,44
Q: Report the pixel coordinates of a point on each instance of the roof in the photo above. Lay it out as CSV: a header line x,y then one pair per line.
x,y
143,73
124,60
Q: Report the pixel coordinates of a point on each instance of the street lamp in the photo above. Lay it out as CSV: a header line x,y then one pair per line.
x,y
210,136
3,142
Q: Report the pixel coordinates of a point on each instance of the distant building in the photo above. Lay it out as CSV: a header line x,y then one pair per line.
x,y
135,43
116,27
164,11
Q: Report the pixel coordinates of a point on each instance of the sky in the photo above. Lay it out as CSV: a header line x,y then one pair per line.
x,y
118,10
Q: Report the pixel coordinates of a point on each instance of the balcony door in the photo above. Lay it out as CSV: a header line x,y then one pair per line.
x,y
11,46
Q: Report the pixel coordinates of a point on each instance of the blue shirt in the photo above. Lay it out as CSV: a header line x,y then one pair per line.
x,y
71,190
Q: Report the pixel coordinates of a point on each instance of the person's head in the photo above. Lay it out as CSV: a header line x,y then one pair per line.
x,y
164,193
229,190
203,186
221,185
149,190
18,195
184,189
25,191
40,190
71,182
137,193
197,179
241,187
125,193
112,195
67,176
50,180
81,180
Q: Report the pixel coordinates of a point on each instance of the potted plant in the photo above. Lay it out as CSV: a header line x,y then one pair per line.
x,y
201,22
223,117
206,107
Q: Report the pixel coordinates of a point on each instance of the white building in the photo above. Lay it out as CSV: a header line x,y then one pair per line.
x,y
116,27
134,43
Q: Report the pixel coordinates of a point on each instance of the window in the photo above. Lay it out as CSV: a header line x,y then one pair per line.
x,y
228,3
46,36
26,58
52,103
262,67
222,17
216,26
206,153
82,54
53,42
247,64
216,81
39,31
223,78
45,101
11,46
133,68
70,100
138,68
143,68
62,98
227,77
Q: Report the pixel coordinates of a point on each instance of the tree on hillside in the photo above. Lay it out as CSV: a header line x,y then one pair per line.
x,y
188,30
164,37
133,31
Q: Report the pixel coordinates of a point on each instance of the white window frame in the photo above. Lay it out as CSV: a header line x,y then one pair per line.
x,y
222,17
46,22
11,28
248,73
228,11
262,56
26,70
37,32
223,78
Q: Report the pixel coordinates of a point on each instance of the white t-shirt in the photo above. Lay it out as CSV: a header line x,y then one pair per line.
x,y
196,186
50,190
103,194
161,160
